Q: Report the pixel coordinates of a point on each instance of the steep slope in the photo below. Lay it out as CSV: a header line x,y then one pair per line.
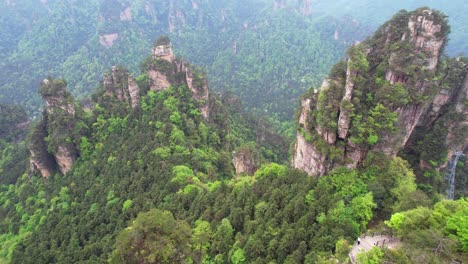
x,y
14,124
53,137
391,83
142,144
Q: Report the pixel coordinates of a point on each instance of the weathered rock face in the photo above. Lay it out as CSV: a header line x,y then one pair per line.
x,y
307,158
107,40
134,91
457,138
166,70
305,106
344,118
374,102
198,84
126,15
424,34
244,162
121,84
37,165
159,80
56,97
65,156
164,52
58,124
40,161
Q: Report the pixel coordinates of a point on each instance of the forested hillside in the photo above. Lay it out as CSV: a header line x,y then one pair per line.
x,y
156,167
267,52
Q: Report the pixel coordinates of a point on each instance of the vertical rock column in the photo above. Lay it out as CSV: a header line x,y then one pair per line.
x,y
57,125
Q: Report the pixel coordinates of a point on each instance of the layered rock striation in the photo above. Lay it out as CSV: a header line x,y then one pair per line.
x,y
390,84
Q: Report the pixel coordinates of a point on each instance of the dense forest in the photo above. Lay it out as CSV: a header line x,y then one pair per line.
x,y
268,52
155,167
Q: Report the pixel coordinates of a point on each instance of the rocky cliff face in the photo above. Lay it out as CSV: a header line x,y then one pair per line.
x,y
306,157
53,139
121,84
41,160
457,139
390,84
163,50
244,162
165,70
57,126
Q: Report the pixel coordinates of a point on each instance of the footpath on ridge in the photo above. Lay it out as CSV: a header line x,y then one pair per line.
x,y
369,241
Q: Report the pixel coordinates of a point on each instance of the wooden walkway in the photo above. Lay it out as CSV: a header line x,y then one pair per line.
x,y
367,242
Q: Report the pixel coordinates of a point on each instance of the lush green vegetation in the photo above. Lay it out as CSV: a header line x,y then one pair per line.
x,y
377,106
267,57
13,120
155,183
245,46
440,230
13,152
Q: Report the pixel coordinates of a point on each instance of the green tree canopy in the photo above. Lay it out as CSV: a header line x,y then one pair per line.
x,y
154,237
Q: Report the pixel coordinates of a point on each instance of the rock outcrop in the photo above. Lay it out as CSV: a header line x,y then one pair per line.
x,y
37,164
165,70
57,126
198,84
441,130
374,102
244,161
457,139
121,84
159,80
163,50
307,158
345,114
126,15
107,40
40,161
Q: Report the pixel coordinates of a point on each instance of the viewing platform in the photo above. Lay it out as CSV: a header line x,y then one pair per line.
x,y
377,239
